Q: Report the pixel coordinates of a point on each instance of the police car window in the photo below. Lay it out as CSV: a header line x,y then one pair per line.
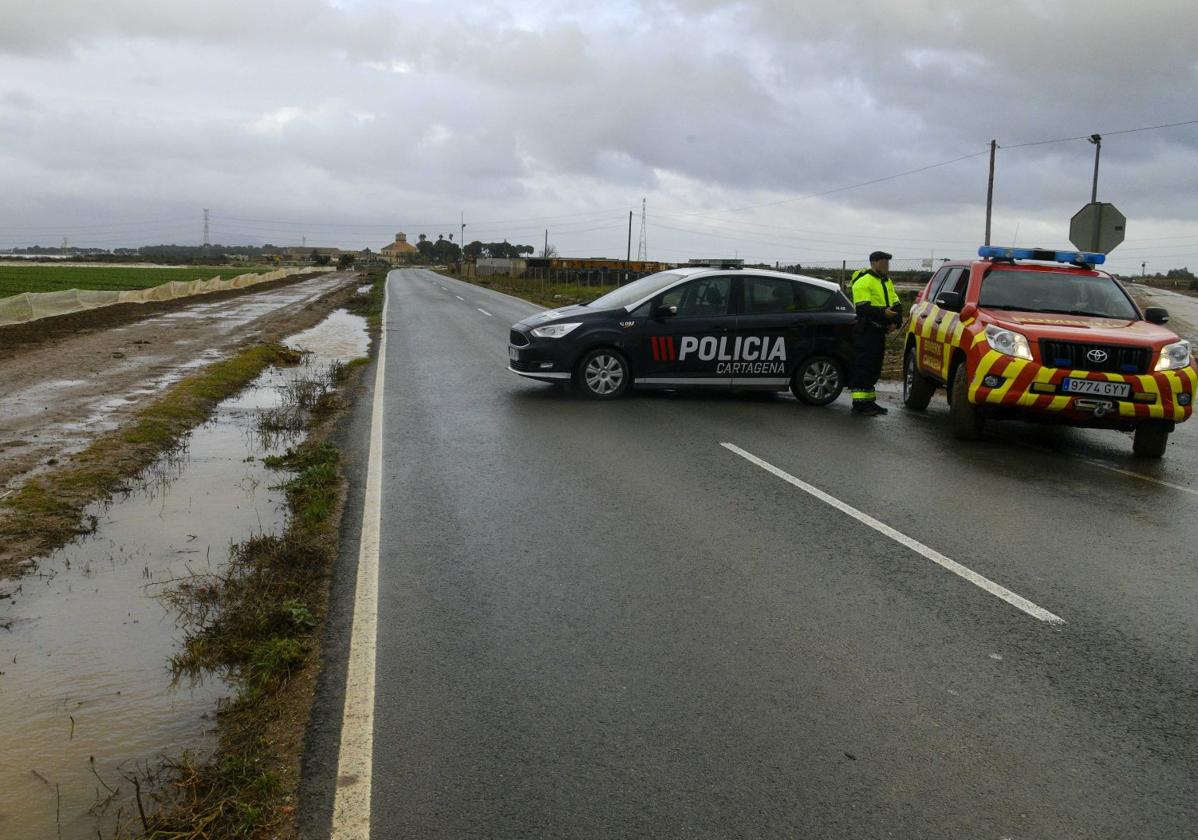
x,y
701,298
770,295
813,298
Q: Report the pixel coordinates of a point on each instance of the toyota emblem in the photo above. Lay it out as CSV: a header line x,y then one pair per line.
x,y
1097,356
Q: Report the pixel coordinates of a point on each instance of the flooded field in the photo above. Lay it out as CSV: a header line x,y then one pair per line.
x,y
86,696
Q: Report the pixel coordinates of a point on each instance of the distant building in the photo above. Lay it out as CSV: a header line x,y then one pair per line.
x,y
401,250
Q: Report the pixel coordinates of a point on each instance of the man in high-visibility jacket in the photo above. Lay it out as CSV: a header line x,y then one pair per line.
x,y
878,313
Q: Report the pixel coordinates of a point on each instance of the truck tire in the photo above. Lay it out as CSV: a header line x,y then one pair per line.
x,y
917,389
964,417
1151,440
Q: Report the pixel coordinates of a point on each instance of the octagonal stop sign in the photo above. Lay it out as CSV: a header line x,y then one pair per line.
x,y
1097,227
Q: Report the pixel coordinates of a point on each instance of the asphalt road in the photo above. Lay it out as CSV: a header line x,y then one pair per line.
x,y
594,620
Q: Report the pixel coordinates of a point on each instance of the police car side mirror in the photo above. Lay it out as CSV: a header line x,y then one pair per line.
x,y
665,311
1156,315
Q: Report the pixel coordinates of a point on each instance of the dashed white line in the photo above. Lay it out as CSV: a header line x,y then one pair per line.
x,y
459,297
355,761
1017,601
485,312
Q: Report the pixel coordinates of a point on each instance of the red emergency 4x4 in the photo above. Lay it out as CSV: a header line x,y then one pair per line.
x,y
1057,342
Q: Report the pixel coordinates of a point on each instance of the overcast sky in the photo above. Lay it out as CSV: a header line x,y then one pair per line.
x,y
344,121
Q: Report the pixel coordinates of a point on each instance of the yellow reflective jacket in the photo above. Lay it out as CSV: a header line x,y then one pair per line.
x,y
872,296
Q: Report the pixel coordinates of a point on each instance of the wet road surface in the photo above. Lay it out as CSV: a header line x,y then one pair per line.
x,y
596,620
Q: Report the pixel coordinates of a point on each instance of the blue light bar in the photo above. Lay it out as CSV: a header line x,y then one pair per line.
x,y
1072,257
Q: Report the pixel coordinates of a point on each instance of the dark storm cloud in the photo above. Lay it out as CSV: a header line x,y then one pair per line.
x,y
392,111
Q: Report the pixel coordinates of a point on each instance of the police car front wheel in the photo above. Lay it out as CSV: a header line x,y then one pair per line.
x,y
602,374
818,380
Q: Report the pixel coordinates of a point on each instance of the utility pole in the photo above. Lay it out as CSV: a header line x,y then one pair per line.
x,y
642,248
462,231
545,253
207,240
990,189
628,253
1143,269
1096,139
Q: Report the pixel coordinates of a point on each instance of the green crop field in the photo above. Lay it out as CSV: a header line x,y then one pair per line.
x,y
15,279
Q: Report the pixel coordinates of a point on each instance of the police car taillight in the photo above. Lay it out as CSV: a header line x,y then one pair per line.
x,y
992,252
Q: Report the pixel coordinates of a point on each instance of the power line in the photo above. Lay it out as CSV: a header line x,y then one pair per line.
x,y
1103,133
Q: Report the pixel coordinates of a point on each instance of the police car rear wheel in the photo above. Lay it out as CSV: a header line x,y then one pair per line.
x,y
1150,440
818,380
917,391
965,417
602,374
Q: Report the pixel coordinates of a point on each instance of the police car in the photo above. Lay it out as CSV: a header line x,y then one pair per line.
x,y
1042,335
702,327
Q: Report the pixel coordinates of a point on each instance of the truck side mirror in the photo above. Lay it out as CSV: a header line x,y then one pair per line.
x,y
1156,315
949,300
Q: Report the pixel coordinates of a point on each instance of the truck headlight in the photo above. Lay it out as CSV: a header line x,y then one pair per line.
x,y
1174,356
555,330
1009,343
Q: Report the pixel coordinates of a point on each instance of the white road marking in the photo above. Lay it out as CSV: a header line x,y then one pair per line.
x,y
1017,601
1140,476
485,312
355,762
445,288
1101,465
459,297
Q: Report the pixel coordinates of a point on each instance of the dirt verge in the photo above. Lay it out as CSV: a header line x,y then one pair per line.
x,y
261,623
17,337
58,459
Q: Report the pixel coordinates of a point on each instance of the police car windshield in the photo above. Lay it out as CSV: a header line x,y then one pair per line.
x,y
1055,292
637,290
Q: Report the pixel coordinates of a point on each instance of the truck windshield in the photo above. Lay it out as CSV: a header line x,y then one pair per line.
x,y
1047,291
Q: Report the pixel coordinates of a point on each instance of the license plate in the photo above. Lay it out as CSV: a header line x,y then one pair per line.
x,y
513,353
1094,387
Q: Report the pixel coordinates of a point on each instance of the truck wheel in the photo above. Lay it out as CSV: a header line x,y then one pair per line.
x,y
917,389
964,416
1151,440
602,374
817,380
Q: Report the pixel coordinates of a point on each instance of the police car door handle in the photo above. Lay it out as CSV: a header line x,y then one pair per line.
x,y
719,328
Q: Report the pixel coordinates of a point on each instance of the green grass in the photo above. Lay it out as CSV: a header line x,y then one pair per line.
x,y
15,279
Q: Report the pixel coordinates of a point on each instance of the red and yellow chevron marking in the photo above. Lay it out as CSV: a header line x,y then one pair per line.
x,y
1019,376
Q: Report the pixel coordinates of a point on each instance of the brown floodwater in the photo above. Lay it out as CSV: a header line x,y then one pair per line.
x,y
86,696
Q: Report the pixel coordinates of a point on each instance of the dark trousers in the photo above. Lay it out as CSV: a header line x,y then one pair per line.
x,y
869,348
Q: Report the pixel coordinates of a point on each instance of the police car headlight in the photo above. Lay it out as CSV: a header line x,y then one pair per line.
x,y
555,330
1174,356
1009,343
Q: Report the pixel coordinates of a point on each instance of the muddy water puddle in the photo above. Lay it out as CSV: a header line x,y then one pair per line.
x,y
86,696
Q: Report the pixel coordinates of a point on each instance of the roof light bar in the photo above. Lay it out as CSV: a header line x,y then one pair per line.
x,y
1073,257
